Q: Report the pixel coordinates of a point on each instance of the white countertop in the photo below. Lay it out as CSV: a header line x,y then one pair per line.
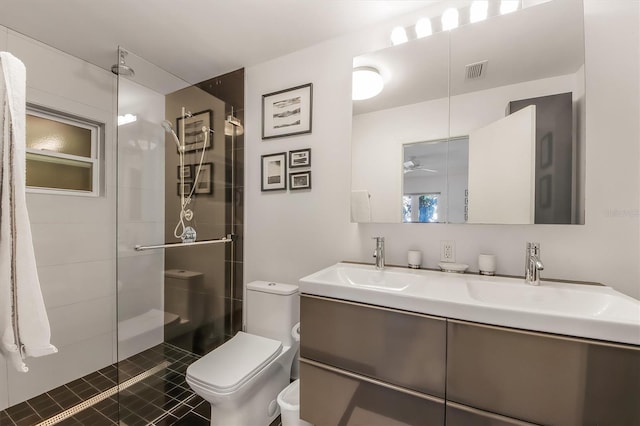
x,y
596,312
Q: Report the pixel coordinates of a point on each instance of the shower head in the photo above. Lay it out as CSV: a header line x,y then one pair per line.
x,y
166,125
121,68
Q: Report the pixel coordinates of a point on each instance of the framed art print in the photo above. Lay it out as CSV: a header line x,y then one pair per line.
x,y
184,172
192,126
274,172
300,180
204,184
287,112
300,158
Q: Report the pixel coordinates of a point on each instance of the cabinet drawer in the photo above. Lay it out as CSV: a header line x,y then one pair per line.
x,y
542,378
401,348
460,415
331,397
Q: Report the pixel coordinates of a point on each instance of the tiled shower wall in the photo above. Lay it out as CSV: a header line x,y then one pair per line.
x,y
74,236
215,303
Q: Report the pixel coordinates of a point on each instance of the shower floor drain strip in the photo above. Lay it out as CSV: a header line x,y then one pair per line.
x,y
103,395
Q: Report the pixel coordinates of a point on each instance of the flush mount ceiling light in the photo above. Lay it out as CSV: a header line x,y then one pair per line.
x,y
450,19
478,11
367,83
508,6
399,36
423,28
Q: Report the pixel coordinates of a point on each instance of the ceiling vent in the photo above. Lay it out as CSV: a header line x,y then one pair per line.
x,y
476,70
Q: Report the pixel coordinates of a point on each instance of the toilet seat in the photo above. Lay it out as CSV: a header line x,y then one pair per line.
x,y
229,366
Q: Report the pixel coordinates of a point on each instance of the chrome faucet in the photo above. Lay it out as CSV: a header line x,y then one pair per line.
x,y
378,253
533,265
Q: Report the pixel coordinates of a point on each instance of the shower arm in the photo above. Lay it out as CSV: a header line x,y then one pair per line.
x,y
227,239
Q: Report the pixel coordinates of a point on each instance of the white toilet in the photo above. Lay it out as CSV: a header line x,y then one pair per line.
x,y
242,378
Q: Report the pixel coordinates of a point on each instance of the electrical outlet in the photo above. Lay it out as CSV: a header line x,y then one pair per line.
x,y
447,251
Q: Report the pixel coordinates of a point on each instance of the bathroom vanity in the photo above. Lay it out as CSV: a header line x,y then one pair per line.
x,y
407,347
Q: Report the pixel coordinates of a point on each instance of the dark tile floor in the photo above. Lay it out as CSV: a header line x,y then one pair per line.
x,y
163,398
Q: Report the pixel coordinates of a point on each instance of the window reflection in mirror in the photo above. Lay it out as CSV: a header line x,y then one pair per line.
x,y
420,208
434,183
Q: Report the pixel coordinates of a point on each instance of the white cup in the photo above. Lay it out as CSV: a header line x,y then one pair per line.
x,y
414,259
487,264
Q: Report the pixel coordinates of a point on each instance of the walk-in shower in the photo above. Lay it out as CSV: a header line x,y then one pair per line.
x,y
180,227
145,295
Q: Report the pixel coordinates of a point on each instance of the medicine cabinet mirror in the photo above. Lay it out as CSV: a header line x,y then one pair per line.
x,y
481,124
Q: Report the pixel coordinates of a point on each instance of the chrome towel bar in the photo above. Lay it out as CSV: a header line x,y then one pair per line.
x,y
227,239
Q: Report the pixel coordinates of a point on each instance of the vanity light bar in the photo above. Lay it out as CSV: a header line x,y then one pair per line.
x,y
477,11
399,36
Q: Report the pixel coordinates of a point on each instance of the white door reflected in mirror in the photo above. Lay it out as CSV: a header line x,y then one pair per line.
x,y
504,147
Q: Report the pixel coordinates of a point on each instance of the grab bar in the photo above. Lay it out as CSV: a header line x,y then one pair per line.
x,y
227,239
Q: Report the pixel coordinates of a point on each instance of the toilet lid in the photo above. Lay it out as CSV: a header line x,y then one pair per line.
x,y
229,366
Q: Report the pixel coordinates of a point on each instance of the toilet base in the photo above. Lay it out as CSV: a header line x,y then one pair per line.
x,y
260,410
257,406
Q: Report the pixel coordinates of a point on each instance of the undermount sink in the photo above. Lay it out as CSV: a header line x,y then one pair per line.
x,y
591,311
369,278
570,300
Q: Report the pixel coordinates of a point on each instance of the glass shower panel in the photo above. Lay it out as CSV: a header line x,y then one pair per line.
x,y
175,298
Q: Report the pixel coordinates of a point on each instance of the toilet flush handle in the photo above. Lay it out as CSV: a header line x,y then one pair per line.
x,y
295,332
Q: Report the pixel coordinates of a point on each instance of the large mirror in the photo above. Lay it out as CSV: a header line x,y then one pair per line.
x,y
480,124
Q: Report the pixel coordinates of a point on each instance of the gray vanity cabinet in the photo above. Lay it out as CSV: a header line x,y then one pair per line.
x,y
335,397
368,365
542,378
461,415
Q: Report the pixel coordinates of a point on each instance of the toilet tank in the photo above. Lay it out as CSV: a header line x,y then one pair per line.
x,y
184,294
272,310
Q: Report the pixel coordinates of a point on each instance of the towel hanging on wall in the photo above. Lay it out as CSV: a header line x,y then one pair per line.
x,y
24,326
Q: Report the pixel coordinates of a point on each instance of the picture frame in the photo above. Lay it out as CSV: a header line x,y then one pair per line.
x,y
184,172
287,112
204,185
300,180
300,158
274,172
192,128
187,188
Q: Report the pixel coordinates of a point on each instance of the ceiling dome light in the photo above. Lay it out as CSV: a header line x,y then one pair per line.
x,y
508,6
423,28
478,11
398,36
450,19
367,83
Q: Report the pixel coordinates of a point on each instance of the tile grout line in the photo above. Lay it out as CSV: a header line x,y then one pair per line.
x,y
103,395
174,408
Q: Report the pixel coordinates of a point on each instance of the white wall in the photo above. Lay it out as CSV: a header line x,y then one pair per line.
x,y
73,236
290,235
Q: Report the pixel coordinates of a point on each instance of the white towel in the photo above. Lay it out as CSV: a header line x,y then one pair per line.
x,y
24,326
360,206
